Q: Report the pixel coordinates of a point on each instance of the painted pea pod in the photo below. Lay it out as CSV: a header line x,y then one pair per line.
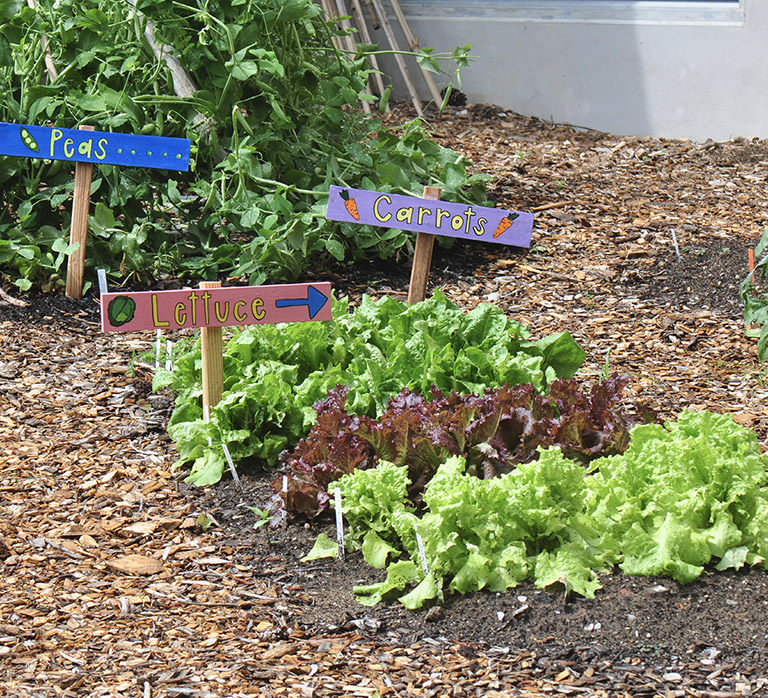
x,y
28,139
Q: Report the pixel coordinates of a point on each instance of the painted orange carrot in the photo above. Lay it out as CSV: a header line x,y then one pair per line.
x,y
504,224
350,204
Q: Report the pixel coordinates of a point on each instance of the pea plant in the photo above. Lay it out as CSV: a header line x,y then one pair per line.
x,y
756,300
274,119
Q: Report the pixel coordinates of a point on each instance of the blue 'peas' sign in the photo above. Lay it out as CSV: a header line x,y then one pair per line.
x,y
98,147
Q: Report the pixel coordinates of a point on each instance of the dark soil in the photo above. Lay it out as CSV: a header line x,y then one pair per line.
x,y
720,616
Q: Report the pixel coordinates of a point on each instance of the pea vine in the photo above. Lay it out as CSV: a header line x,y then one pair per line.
x,y
274,120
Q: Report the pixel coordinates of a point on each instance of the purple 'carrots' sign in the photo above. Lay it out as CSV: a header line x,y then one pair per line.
x,y
430,216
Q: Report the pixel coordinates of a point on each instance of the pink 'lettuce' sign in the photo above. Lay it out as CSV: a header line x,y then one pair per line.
x,y
215,307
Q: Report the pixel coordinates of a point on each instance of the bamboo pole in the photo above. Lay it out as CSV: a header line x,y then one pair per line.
x,y
375,24
398,58
422,256
78,233
50,66
352,47
413,44
366,37
333,10
211,343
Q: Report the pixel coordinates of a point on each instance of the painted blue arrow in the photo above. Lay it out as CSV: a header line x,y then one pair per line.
x,y
315,301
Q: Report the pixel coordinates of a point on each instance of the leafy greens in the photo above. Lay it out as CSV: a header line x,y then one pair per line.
x,y
682,496
274,374
495,432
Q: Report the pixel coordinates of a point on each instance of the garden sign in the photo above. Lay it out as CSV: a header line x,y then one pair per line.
x,y
210,308
86,147
429,216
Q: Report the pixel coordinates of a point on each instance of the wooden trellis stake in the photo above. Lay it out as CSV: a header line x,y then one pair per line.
x,y
413,44
365,35
398,58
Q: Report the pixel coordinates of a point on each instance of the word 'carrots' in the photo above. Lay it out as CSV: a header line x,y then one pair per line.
x,y
350,204
504,224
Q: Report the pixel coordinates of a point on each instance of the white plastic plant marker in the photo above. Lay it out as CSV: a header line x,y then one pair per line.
x,y
422,554
158,341
339,521
674,242
169,355
102,281
285,483
231,465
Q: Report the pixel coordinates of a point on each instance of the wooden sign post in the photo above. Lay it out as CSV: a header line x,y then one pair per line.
x,y
210,308
428,217
87,147
81,204
422,257
211,349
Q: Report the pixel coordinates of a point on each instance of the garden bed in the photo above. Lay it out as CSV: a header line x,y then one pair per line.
x,y
86,476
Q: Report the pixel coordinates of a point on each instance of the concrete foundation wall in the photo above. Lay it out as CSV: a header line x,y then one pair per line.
x,y
665,69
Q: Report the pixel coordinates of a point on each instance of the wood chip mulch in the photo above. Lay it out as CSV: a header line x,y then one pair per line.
x,y
109,586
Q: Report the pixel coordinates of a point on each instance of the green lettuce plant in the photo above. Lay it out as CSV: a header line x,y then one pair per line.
x,y
274,374
685,495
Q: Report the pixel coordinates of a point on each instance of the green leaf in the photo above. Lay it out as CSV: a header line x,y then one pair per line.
x,y
323,548
376,550
734,558
562,353
399,576
426,590
567,568
335,248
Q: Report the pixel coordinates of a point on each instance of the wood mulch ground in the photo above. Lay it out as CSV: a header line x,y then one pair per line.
x,y
110,587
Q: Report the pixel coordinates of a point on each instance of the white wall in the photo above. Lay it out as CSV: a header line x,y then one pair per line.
x,y
665,69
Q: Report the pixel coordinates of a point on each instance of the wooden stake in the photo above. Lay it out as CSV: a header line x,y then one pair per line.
x,y
751,258
422,256
398,58
211,343
413,44
81,203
